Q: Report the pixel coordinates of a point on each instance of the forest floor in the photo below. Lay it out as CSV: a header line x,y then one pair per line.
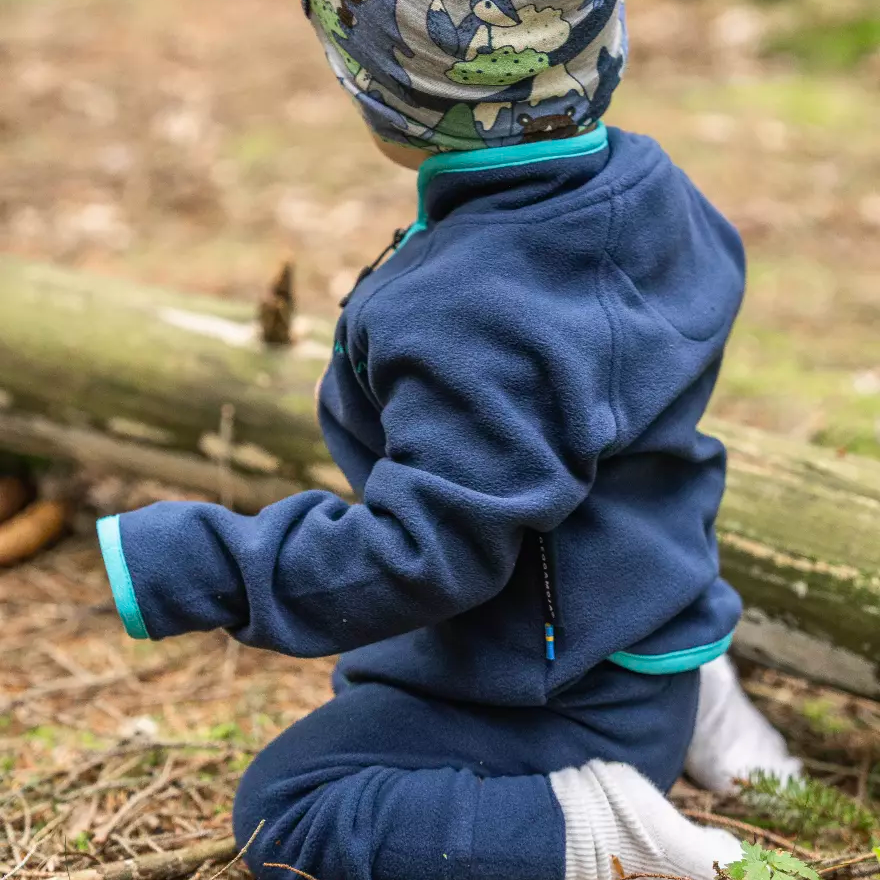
x,y
198,144
111,749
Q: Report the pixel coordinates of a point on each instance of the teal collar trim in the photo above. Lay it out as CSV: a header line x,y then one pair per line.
x,y
502,157
677,661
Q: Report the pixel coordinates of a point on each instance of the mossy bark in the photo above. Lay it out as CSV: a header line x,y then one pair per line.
x,y
179,387
799,533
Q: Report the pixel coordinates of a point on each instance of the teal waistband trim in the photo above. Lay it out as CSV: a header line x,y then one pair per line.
x,y
120,578
503,157
677,661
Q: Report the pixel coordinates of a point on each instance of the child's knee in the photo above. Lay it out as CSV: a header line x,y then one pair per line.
x,y
301,801
270,797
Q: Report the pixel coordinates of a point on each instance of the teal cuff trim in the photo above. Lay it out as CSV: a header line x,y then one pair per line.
x,y
677,661
503,157
120,579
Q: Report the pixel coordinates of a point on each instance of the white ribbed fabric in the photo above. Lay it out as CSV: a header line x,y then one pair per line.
x,y
611,810
732,739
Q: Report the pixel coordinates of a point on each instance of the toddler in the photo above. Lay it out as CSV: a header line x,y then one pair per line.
x,y
529,586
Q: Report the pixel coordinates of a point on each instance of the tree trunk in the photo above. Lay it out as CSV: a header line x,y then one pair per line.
x,y
180,388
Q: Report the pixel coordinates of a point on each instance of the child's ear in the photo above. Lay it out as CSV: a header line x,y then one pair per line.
x,y
524,119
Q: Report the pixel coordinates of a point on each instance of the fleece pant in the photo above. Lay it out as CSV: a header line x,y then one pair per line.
x,y
383,784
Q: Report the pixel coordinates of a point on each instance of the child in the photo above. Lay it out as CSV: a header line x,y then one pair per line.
x,y
529,587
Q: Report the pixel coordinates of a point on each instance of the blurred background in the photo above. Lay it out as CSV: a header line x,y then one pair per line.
x,y
197,143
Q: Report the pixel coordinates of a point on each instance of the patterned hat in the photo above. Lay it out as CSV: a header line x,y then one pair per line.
x,y
468,74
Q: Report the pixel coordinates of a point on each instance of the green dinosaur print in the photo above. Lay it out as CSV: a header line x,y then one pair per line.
x,y
457,130
327,16
354,68
503,67
332,26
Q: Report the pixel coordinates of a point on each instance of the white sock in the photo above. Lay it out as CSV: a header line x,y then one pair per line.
x,y
732,739
611,810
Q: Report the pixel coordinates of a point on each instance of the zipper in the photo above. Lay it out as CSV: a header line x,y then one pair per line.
x,y
368,270
550,611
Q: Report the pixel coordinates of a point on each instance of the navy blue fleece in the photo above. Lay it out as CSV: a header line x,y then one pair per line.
x,y
383,784
530,364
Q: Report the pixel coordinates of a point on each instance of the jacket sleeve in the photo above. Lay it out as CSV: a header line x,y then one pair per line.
x,y
474,454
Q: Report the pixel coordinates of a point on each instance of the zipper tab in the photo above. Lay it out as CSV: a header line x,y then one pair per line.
x,y
399,235
550,640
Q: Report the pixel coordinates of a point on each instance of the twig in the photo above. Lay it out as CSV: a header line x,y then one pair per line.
x,y
727,822
867,857
242,851
131,748
20,865
659,876
10,836
72,684
292,869
62,660
204,870
26,834
47,829
839,769
123,844
863,869
158,866
104,832
128,782
172,839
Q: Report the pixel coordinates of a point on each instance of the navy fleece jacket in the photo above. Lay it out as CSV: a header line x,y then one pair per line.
x,y
514,396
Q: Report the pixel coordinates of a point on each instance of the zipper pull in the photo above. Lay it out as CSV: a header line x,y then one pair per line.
x,y
550,641
399,235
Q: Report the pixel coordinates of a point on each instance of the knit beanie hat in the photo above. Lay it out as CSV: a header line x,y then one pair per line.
x,y
468,74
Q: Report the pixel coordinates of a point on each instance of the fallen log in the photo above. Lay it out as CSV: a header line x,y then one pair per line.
x,y
181,388
158,384
799,534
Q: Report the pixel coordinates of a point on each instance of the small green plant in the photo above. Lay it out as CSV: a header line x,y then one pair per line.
x,y
226,731
45,734
825,718
81,842
807,807
758,863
